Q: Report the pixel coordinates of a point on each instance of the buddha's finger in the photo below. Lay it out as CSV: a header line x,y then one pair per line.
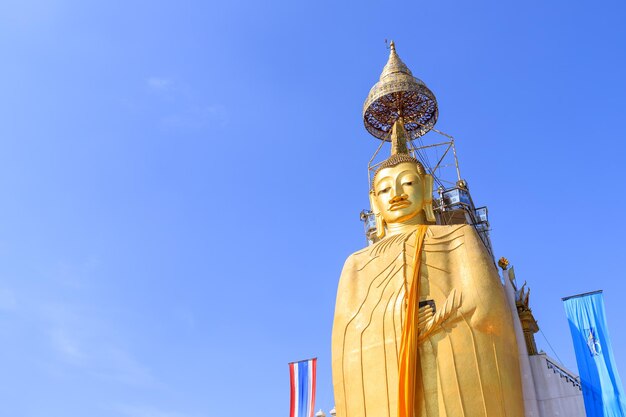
x,y
425,316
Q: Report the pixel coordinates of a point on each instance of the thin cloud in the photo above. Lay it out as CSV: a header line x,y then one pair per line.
x,y
159,83
67,346
186,111
83,342
116,364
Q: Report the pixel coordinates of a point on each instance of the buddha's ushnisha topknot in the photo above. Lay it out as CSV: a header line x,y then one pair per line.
x,y
399,151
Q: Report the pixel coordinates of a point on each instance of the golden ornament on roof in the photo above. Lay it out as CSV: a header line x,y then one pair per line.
x,y
503,263
398,94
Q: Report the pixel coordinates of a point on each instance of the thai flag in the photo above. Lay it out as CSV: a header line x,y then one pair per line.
x,y
302,375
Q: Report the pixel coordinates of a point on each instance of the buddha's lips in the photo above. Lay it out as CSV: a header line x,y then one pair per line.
x,y
399,205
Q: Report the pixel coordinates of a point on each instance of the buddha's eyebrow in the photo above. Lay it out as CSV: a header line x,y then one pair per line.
x,y
383,179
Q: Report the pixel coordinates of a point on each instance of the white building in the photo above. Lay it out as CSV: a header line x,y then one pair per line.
x,y
550,390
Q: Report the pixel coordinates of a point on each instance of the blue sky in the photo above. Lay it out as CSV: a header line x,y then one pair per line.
x,y
181,183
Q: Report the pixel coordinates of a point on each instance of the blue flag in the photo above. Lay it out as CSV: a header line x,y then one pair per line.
x,y
602,388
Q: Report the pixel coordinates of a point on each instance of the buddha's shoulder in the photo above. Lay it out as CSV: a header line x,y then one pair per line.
x,y
446,238
359,259
435,234
447,232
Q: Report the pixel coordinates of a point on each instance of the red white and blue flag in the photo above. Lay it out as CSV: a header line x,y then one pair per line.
x,y
302,375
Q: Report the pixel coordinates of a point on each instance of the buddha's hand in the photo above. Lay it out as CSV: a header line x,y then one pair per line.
x,y
425,316
429,322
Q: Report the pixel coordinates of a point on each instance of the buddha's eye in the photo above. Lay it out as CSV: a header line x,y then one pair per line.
x,y
384,190
408,183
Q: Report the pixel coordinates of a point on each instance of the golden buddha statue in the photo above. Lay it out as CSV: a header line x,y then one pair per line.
x,y
422,327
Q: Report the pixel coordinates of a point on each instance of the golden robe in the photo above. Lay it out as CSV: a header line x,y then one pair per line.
x,y
468,361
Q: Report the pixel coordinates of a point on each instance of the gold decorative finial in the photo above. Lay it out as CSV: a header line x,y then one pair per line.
x,y
503,263
399,94
395,67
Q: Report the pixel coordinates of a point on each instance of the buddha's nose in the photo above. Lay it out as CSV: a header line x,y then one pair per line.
x,y
398,190
398,198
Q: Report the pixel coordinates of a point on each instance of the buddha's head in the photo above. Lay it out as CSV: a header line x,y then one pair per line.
x,y
401,192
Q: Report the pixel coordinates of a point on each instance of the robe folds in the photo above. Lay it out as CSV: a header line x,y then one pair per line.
x,y
468,359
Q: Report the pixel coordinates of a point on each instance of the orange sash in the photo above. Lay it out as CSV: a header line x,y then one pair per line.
x,y
409,353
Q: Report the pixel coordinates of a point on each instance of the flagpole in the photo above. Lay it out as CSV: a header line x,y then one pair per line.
x,y
303,360
582,295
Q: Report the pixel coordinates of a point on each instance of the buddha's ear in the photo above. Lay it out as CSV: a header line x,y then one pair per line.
x,y
428,198
380,222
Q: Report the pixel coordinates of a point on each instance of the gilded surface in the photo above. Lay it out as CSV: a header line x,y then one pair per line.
x,y
468,364
422,327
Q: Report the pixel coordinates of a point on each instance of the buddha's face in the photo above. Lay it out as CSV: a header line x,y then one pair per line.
x,y
399,192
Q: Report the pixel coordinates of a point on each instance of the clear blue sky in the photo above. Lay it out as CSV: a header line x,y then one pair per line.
x,y
181,183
